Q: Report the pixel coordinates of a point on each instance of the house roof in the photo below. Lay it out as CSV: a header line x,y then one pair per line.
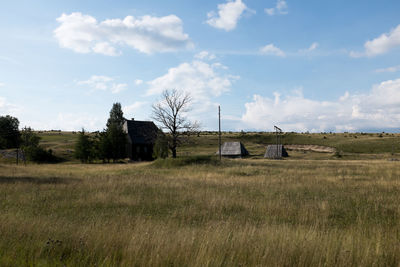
x,y
233,149
141,132
275,151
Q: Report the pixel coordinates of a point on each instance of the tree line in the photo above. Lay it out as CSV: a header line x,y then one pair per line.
x,y
25,140
109,144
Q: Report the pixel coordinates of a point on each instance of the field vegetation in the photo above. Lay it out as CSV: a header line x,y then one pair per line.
x,y
310,209
195,211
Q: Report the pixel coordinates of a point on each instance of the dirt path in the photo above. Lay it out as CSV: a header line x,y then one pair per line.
x,y
315,148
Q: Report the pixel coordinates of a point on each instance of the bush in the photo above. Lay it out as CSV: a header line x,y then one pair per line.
x,y
84,148
338,154
32,151
160,149
40,155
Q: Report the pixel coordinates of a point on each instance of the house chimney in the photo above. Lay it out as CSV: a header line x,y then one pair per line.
x,y
133,119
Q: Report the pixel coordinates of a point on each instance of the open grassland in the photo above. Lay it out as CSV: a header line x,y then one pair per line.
x,y
351,146
198,212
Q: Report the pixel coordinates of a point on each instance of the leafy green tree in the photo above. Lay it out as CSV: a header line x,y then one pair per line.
x,y
9,133
32,151
84,148
113,141
117,140
116,115
104,149
29,138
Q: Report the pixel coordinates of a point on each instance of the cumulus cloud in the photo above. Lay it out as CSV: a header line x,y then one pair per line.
x,y
281,7
118,87
138,82
312,47
198,78
147,34
271,49
389,69
7,108
205,55
104,83
202,80
228,15
129,109
381,44
379,108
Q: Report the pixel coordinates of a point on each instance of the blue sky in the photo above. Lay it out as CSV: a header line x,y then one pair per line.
x,y
304,65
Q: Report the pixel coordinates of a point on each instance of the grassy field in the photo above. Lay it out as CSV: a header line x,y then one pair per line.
x,y
311,209
198,212
355,146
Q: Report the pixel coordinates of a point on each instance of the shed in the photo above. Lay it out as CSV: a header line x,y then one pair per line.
x,y
141,137
275,152
233,150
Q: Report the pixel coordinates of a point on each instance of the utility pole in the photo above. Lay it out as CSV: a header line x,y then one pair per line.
x,y
219,132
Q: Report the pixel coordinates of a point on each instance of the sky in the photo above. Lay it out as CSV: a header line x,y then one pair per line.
x,y
316,66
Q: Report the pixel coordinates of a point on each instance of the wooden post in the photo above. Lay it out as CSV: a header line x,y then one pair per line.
x,y
219,132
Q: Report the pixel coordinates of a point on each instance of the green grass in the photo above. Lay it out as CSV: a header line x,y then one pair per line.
x,y
196,211
351,145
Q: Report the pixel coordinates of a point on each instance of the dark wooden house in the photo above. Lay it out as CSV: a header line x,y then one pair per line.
x,y
141,136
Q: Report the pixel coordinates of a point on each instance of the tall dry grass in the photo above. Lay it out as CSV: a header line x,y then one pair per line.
x,y
249,212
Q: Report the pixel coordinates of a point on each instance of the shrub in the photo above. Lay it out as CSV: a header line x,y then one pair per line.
x,y
40,155
160,149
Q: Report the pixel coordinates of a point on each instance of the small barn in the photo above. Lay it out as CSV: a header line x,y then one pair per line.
x,y
233,150
141,137
275,152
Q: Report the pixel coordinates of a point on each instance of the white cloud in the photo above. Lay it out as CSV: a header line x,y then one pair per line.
x,y
377,109
147,34
104,83
271,49
381,44
105,49
228,15
205,55
73,122
128,110
138,82
199,78
389,69
7,108
203,81
2,84
280,8
312,47
118,87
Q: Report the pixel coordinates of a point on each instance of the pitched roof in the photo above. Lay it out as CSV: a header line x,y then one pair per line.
x,y
233,149
141,132
275,151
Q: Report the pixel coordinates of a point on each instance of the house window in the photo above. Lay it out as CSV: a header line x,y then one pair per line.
x,y
145,149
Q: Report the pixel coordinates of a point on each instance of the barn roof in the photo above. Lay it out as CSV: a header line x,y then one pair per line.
x,y
275,151
141,132
233,149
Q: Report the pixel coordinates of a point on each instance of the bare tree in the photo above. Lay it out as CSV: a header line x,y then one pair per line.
x,y
169,112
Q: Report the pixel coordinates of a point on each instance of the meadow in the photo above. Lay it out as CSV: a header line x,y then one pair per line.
x,y
311,209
